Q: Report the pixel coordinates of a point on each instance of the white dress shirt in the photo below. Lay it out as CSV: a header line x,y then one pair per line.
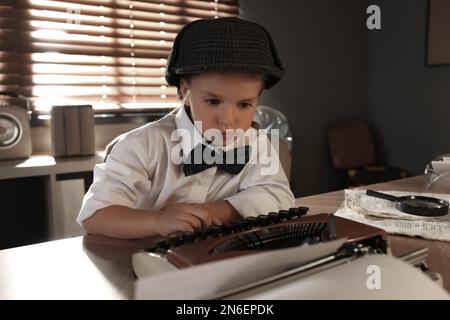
x,y
139,173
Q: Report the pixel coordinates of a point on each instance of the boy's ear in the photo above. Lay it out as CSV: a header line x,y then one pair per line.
x,y
183,86
183,90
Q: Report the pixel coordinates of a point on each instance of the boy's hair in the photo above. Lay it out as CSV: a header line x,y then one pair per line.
x,y
223,44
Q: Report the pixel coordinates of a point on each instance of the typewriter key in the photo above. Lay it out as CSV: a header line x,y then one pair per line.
x,y
291,215
283,214
162,246
251,222
303,211
274,217
175,240
188,237
200,235
152,248
227,228
214,231
263,220
240,225
294,212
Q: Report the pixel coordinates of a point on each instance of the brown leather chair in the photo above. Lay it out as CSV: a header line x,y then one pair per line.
x,y
352,150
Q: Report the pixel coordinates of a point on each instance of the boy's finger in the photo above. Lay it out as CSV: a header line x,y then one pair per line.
x,y
194,221
187,227
203,215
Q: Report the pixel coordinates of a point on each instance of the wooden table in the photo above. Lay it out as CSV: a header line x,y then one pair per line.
x,y
94,267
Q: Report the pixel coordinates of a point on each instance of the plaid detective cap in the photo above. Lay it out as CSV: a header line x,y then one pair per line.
x,y
223,44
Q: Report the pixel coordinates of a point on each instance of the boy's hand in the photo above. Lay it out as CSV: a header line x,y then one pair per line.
x,y
190,217
186,218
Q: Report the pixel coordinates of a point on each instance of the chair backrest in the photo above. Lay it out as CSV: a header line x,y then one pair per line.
x,y
351,145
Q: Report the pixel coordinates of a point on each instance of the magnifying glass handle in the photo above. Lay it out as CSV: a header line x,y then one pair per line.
x,y
380,195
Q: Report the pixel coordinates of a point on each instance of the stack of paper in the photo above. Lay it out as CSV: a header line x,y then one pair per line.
x,y
383,214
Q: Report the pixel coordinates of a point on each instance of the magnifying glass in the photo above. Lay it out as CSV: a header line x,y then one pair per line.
x,y
416,205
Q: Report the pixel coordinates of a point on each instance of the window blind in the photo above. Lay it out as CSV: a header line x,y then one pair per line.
x,y
108,53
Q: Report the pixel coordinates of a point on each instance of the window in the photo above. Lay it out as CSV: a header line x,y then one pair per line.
x,y
108,53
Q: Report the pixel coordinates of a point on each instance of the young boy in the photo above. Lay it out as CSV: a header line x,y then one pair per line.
x,y
149,184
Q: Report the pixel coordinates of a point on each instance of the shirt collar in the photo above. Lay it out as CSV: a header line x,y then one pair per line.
x,y
187,133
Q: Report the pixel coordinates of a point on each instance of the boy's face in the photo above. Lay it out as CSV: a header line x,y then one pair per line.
x,y
223,100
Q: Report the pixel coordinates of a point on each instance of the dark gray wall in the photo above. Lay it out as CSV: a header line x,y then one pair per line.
x,y
409,103
323,46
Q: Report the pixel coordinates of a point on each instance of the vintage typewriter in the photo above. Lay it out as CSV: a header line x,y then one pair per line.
x,y
275,230
363,246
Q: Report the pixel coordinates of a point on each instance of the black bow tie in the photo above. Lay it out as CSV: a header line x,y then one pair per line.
x,y
202,157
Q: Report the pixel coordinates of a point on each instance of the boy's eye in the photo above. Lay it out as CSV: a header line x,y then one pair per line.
x,y
212,102
245,105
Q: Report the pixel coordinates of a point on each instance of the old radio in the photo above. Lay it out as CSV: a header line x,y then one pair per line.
x,y
15,137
